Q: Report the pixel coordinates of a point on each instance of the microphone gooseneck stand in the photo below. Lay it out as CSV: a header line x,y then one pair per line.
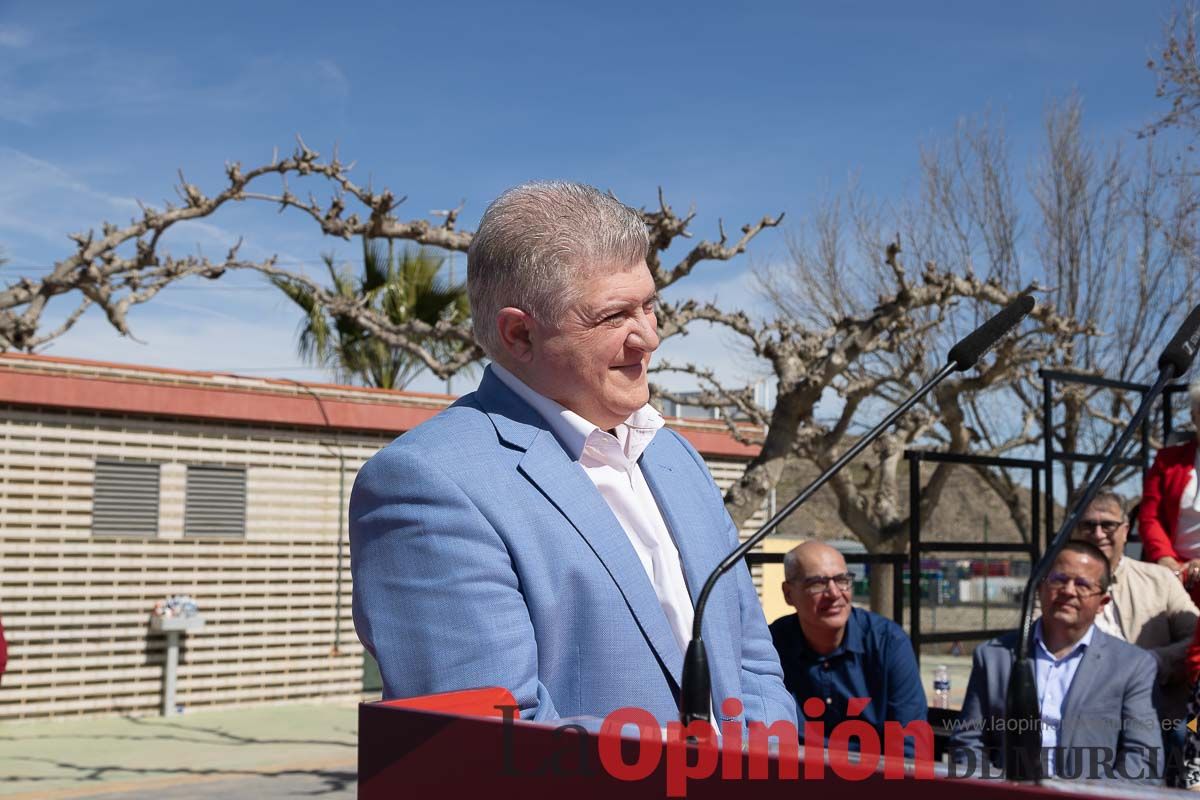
x,y
696,691
1022,729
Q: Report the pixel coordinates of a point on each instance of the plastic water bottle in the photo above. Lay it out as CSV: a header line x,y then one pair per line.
x,y
941,686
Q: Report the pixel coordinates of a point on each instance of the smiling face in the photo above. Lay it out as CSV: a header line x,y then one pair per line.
x,y
822,606
1104,525
594,360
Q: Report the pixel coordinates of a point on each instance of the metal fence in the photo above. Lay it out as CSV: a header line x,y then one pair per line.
x,y
918,547
1052,457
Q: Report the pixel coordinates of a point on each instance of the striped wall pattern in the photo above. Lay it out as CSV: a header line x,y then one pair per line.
x,y
75,604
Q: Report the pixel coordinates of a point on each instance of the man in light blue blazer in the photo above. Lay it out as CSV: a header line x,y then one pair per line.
x,y
546,533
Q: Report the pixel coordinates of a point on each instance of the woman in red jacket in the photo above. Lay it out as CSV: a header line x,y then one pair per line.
x,y
1169,516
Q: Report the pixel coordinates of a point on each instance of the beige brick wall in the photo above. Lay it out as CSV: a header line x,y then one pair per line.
x,y
75,606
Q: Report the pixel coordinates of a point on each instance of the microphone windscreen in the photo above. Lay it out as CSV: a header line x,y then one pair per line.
x,y
1182,349
972,346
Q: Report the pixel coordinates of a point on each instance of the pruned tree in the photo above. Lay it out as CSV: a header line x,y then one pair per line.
x,y
869,336
126,265
1106,240
1178,71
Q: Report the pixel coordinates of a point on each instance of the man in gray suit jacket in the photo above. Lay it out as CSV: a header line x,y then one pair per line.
x,y
1094,690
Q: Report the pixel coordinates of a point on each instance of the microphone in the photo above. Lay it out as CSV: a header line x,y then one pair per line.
x,y
695,696
1022,729
1182,348
975,344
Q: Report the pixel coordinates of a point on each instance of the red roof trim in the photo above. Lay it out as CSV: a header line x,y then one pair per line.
x,y
228,404
716,442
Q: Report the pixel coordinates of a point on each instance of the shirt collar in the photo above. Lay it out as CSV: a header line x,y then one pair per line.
x,y
852,639
1083,643
574,432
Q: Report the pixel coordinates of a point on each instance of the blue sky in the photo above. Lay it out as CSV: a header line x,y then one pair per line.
x,y
741,112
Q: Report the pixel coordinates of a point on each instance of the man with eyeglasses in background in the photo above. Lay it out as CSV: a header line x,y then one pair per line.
x,y
1094,690
832,651
1149,608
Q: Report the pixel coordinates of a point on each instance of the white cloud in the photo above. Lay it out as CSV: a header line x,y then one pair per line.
x,y
274,83
12,36
24,106
187,338
68,74
333,76
43,200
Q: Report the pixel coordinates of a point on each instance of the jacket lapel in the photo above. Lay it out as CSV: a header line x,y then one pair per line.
x,y
1089,671
688,528
565,484
697,537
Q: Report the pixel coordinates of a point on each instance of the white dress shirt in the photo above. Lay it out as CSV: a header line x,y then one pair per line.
x,y
610,462
1054,676
1187,531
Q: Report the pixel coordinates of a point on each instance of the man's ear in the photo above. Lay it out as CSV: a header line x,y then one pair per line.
x,y
787,594
1104,600
515,327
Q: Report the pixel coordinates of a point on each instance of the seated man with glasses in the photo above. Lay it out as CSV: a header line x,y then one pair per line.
x,y
833,652
1094,690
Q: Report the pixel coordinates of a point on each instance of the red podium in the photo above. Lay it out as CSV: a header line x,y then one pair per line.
x,y
469,744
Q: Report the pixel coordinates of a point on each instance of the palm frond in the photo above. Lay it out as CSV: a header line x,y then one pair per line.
x,y
401,289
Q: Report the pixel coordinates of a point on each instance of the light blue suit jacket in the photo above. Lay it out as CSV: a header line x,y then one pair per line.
x,y
483,555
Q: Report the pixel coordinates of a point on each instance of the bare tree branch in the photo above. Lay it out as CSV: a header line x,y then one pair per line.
x,y
123,266
665,226
715,395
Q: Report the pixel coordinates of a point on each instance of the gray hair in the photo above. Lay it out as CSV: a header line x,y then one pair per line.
x,y
535,245
1110,498
791,565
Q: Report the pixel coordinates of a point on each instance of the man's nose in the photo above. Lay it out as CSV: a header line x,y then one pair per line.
x,y
645,335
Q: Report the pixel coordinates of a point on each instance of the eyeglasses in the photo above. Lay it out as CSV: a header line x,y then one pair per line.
x,y
1083,587
1109,526
817,583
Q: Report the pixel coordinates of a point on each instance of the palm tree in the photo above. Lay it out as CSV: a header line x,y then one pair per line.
x,y
398,289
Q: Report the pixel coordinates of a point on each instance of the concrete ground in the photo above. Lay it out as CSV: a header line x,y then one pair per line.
x,y
262,752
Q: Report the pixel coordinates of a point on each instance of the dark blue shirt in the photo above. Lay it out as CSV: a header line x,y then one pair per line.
x,y
875,660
